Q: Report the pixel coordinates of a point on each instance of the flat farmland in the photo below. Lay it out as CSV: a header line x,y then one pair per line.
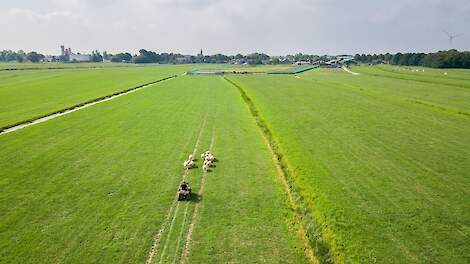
x,y
98,184
381,161
32,93
318,167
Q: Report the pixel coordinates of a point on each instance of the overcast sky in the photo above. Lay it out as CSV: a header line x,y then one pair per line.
x,y
235,26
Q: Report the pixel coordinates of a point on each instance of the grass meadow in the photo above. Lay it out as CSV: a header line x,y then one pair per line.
x,y
95,185
378,166
32,93
383,171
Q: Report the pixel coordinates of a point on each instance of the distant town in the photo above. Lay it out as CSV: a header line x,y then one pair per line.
x,y
441,59
144,56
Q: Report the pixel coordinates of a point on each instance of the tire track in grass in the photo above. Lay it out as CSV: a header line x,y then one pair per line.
x,y
175,255
167,240
171,212
47,117
185,252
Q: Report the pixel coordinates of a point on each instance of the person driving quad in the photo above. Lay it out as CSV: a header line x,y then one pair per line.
x,y
184,186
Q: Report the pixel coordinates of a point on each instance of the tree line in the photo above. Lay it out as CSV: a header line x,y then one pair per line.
x,y
441,59
145,56
20,56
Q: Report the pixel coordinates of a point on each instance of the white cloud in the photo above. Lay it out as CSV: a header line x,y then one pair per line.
x,y
227,26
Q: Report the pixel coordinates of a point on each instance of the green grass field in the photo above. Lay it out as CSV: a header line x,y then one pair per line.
x,y
378,165
95,185
29,94
385,176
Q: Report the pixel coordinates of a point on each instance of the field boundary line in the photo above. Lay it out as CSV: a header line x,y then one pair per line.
x,y
317,248
187,245
156,240
43,118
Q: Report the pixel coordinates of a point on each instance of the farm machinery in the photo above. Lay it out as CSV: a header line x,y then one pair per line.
x,y
184,192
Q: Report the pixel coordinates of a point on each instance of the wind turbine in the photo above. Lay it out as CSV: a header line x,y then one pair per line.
x,y
451,37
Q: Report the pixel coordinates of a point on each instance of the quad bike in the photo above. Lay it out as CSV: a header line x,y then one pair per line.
x,y
184,192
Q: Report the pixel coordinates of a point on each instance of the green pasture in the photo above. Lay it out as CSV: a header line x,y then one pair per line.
x,y
385,177
447,77
379,164
95,186
29,94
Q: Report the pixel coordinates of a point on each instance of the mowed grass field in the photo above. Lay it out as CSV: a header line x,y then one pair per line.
x,y
31,93
379,164
95,186
382,159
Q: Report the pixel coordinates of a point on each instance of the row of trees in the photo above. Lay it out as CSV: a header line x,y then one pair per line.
x,y
146,56
441,59
20,56
253,58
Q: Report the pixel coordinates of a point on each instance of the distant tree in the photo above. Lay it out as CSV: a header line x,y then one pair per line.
x,y
8,55
465,58
106,55
404,58
388,57
34,56
396,58
275,60
96,56
20,56
147,57
257,58
121,57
